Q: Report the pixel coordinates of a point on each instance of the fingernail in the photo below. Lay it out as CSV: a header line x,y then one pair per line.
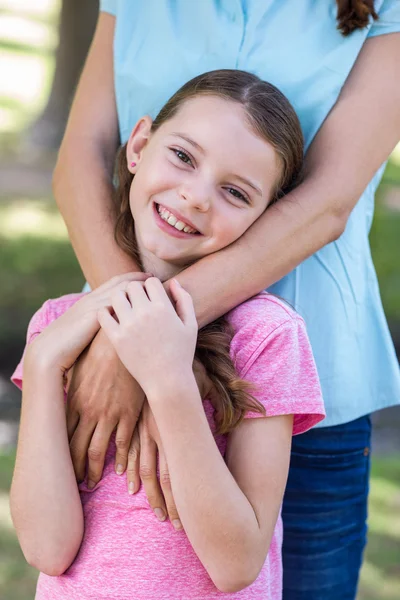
x,y
120,469
160,514
177,524
131,487
90,484
179,285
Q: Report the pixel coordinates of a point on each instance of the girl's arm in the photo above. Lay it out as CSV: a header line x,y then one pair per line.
x,y
228,510
229,521
45,504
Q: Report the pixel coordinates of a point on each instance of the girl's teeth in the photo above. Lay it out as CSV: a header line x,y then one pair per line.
x,y
172,220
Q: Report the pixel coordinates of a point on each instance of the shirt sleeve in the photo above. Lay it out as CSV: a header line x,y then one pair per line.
x,y
389,19
36,325
109,6
49,312
285,377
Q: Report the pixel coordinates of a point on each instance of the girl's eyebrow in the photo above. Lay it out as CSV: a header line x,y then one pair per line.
x,y
201,149
249,183
190,141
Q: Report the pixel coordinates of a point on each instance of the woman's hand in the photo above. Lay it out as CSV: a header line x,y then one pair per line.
x,y
154,340
102,397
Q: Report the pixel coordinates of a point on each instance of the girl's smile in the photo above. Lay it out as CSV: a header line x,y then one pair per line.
x,y
173,223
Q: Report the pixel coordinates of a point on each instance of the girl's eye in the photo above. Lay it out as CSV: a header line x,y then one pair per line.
x,y
182,156
237,194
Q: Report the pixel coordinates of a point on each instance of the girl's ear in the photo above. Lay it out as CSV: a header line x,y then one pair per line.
x,y
137,141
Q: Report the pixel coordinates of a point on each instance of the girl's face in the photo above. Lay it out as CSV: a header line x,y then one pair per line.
x,y
200,181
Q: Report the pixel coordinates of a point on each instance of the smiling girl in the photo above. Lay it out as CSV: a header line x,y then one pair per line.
x,y
223,148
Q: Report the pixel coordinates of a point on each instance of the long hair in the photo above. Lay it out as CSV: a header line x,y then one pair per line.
x,y
354,14
272,118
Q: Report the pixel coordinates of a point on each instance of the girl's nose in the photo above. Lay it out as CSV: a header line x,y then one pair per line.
x,y
197,197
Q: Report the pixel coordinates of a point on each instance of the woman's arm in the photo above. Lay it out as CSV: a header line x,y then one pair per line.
x,y
45,504
82,181
357,137
228,510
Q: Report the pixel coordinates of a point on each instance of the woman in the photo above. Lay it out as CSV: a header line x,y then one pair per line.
x,y
346,92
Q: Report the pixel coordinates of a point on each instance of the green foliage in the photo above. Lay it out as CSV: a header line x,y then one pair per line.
x,y
32,269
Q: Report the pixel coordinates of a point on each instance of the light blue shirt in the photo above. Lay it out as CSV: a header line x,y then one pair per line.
x,y
294,44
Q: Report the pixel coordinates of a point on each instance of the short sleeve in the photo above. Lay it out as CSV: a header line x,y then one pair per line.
x,y
285,377
49,312
109,6
389,19
36,325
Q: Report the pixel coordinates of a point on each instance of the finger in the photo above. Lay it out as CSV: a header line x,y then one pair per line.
x,y
148,476
132,472
124,434
165,483
137,294
155,290
183,303
108,324
121,305
125,277
97,451
72,422
79,445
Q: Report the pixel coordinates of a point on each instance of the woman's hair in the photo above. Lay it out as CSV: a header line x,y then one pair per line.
x,y
273,119
354,14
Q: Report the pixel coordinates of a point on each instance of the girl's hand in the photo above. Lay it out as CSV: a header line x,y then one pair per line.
x,y
61,343
154,340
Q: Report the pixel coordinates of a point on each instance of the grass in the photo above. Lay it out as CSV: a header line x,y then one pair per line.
x,y
17,578
36,262
380,577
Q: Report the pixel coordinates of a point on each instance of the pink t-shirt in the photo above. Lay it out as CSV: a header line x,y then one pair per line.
x,y
126,553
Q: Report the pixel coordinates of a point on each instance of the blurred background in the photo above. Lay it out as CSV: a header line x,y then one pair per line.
x,y
43,45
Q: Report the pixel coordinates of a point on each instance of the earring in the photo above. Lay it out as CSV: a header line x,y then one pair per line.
x,y
133,164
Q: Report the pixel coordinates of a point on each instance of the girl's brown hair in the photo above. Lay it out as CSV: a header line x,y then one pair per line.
x,y
273,119
354,14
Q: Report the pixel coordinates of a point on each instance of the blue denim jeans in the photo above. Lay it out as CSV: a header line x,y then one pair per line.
x,y
325,511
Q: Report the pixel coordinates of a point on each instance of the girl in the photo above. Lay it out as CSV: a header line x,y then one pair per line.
x,y
221,150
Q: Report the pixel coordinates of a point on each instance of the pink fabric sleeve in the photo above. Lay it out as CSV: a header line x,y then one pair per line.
x,y
36,325
50,311
274,354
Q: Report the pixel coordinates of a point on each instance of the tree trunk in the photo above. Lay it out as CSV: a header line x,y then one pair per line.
x,y
76,28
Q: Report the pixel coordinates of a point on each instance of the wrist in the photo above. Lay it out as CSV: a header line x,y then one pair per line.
x,y
38,359
40,370
173,385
